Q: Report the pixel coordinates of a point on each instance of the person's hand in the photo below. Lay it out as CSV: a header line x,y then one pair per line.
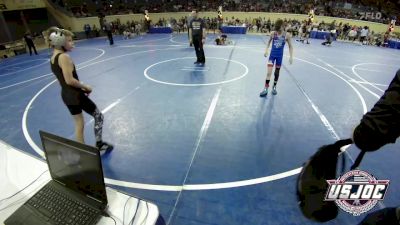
x,y
266,54
203,40
87,89
291,60
191,41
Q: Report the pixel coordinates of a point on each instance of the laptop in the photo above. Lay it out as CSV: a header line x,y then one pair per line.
x,y
76,193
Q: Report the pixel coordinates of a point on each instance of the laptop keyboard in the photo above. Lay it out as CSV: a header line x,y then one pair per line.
x,y
61,208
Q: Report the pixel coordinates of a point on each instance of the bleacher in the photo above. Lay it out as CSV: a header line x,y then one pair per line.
x,y
81,8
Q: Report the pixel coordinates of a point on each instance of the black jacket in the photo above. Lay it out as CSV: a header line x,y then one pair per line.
x,y
381,125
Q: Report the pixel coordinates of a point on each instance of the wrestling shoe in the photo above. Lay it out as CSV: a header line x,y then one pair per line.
x,y
274,92
104,146
264,92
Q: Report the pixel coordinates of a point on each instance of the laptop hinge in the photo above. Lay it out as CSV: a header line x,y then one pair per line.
x,y
59,182
94,198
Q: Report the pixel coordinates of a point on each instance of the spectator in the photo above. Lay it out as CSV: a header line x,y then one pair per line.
x,y
127,34
95,31
364,35
87,30
386,39
353,34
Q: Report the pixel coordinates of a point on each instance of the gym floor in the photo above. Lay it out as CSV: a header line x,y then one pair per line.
x,y
199,141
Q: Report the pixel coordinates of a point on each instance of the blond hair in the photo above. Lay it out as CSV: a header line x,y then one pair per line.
x,y
51,30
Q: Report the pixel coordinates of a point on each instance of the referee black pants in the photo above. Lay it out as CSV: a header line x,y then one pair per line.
x,y
30,46
198,47
110,37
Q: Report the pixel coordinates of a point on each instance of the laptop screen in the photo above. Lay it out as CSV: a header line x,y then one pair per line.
x,y
76,165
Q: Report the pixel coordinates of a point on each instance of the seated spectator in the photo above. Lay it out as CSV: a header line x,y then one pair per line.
x,y
138,28
96,31
127,34
84,10
386,39
364,35
353,34
371,39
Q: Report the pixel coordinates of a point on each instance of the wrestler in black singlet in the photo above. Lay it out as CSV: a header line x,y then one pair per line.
x,y
74,98
77,100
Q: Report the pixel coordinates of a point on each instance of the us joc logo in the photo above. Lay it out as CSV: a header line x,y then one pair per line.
x,y
356,192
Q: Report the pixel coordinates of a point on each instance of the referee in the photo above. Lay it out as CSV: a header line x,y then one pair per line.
x,y
108,29
197,35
